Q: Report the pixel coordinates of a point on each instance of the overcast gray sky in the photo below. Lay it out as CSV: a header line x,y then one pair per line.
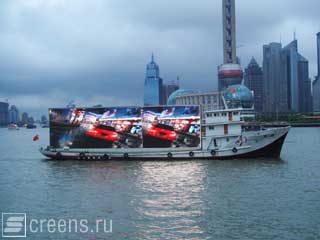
x,y
95,51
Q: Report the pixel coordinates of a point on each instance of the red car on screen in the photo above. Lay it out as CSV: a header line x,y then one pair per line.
x,y
162,131
103,132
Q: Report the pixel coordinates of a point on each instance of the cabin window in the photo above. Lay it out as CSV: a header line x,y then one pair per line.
x,y
224,114
236,113
211,127
215,142
227,139
216,114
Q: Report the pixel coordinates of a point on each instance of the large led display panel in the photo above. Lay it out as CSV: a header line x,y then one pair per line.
x,y
171,127
96,128
125,127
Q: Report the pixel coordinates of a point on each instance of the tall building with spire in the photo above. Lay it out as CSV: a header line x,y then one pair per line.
x,y
230,72
253,79
14,114
153,85
287,86
295,72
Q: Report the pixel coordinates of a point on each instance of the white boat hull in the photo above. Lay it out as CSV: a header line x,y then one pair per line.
x,y
267,143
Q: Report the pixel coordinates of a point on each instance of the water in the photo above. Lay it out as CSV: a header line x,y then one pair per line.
x,y
251,199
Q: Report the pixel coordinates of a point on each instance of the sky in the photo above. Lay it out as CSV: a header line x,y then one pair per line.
x,y
95,51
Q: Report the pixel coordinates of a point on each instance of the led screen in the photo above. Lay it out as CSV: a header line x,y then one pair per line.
x,y
96,128
133,127
176,127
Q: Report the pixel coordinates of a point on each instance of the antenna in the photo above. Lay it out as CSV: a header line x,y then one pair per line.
x,y
295,34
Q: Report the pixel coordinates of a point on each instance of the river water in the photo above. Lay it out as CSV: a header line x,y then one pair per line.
x,y
244,199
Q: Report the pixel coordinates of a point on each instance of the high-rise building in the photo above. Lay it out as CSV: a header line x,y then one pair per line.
x,y
318,48
170,88
4,113
25,118
295,73
230,72
316,94
304,86
287,87
316,82
275,90
153,85
14,114
44,119
253,79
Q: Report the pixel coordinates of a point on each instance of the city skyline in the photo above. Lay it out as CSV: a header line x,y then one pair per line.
x,y
106,46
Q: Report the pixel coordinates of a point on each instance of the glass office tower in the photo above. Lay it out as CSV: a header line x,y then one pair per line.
x,y
153,85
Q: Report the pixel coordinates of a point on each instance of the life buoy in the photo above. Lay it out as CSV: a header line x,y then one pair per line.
x,y
191,154
169,155
234,150
213,152
126,155
105,157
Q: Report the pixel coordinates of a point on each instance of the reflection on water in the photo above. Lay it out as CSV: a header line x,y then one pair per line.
x,y
169,199
247,199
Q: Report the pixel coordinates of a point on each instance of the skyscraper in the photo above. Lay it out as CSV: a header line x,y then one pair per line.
x,y
275,89
318,48
316,94
253,80
4,113
230,71
153,86
295,73
14,114
25,118
316,83
168,89
287,86
304,85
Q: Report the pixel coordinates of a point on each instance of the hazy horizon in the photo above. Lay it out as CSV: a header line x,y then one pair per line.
x,y
95,52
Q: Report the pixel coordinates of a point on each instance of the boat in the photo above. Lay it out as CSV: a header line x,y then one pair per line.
x,y
31,126
13,126
193,134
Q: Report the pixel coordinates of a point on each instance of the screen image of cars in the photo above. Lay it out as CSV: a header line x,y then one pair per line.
x,y
103,132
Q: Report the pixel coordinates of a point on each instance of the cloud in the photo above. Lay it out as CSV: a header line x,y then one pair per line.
x,y
96,50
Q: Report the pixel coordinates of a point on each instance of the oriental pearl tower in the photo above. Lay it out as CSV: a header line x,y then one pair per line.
x,y
230,72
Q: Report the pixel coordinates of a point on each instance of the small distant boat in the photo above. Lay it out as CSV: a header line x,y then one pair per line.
x,y
13,126
31,126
